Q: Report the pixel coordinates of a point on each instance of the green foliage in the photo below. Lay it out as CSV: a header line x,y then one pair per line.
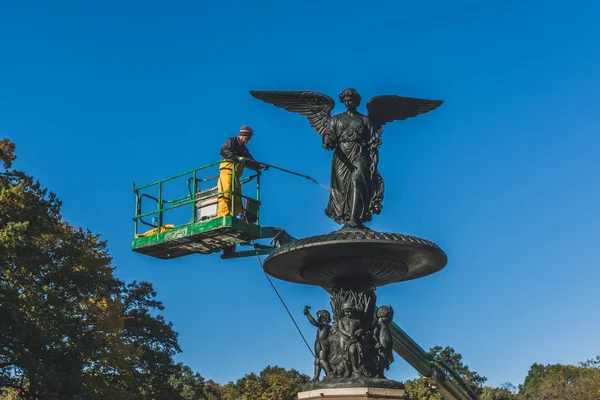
x,y
273,383
502,393
452,359
7,153
543,382
9,394
214,391
419,389
70,329
568,382
190,385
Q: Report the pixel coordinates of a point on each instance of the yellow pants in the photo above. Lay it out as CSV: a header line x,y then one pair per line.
x,y
224,202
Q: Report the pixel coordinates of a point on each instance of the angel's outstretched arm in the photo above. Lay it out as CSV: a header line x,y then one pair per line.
x,y
310,318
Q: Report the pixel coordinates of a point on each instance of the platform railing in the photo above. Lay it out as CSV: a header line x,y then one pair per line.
x,y
164,205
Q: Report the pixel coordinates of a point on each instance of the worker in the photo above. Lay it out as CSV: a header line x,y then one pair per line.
x,y
233,149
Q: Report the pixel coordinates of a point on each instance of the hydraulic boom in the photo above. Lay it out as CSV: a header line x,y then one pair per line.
x,y
439,375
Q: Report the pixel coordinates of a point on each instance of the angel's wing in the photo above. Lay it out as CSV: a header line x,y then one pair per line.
x,y
388,108
315,106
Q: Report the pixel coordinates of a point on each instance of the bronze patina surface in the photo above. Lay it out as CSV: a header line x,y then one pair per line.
x,y
356,184
355,257
354,343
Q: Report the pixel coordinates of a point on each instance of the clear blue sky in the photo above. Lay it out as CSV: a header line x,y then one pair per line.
x,y
504,176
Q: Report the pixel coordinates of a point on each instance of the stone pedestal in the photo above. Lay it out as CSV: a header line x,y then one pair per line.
x,y
358,393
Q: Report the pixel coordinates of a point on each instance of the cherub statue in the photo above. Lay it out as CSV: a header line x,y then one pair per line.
x,y
351,332
356,184
321,342
383,338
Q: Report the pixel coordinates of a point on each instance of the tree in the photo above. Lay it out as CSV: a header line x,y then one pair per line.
x,y
70,329
568,382
505,392
190,385
273,383
449,357
214,391
419,389
281,384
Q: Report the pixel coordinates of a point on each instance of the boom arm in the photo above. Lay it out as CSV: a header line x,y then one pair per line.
x,y
439,375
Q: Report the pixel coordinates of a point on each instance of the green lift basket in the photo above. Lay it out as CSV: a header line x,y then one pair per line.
x,y
188,224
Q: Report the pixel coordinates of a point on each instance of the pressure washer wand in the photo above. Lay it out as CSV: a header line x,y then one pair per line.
x,y
297,174
291,172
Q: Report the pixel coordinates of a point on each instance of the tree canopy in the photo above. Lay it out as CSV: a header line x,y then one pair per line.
x,y
70,329
543,382
273,383
565,382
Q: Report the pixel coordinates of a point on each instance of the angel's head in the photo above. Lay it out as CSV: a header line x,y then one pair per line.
x,y
350,98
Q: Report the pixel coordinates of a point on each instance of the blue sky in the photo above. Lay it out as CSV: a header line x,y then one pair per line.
x,y
504,176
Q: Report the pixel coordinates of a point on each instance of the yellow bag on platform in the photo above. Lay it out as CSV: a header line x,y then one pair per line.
x,y
154,231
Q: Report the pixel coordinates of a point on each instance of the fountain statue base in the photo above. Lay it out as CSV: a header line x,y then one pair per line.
x,y
356,347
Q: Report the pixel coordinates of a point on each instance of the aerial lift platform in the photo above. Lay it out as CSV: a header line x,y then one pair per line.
x,y
188,224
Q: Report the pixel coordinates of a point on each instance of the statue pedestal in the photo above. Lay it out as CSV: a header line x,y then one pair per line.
x,y
355,347
359,393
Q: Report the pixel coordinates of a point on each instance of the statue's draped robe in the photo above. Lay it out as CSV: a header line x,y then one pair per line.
x,y
351,170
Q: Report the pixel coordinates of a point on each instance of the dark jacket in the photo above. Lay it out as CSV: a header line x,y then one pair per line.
x,y
233,148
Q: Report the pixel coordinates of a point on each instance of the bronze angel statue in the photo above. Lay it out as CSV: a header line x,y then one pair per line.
x,y
356,184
